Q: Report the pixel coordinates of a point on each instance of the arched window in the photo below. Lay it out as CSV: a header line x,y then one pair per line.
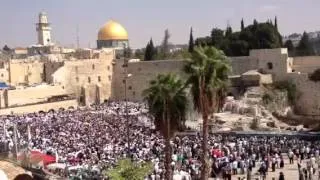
x,y
270,65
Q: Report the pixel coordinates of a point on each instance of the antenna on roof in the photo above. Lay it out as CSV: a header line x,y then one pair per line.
x,y
78,38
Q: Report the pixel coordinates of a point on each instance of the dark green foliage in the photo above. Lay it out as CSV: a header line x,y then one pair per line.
x,y
267,98
289,45
304,48
150,51
126,169
276,23
291,89
6,48
217,37
242,25
164,49
191,42
256,36
139,53
228,32
167,89
255,23
203,41
315,76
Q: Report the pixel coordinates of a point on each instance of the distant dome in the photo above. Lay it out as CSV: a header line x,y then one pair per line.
x,y
112,31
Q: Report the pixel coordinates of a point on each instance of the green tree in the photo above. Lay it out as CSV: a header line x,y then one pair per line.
x,y
191,42
126,169
228,31
6,48
242,25
139,53
202,70
255,23
217,37
289,45
276,23
165,45
167,102
203,41
150,52
304,48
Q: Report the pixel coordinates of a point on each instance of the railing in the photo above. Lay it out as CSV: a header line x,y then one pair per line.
x,y
40,173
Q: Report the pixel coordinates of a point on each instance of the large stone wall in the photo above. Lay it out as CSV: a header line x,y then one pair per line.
x,y
142,73
33,94
90,78
306,64
26,72
243,64
308,102
40,107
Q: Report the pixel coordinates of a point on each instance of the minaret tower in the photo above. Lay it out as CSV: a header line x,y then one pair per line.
x,y
44,30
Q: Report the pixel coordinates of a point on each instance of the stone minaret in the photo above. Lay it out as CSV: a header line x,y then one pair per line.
x,y
43,29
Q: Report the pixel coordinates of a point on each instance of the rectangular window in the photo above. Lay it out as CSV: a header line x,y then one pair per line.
x,y
99,79
89,80
77,79
93,67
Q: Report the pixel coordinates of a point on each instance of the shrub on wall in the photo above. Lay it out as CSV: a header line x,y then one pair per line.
x,y
315,76
291,89
254,125
267,98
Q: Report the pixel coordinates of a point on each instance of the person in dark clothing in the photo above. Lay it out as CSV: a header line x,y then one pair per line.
x,y
281,163
281,176
273,166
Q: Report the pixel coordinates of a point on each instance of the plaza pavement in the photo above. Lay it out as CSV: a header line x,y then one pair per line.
x,y
290,172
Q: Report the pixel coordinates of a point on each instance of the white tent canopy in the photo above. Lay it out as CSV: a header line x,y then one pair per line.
x,y
3,175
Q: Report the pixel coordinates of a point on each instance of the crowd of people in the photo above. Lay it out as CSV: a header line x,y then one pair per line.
x,y
95,138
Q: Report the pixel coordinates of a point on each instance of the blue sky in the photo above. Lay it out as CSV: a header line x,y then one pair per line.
x,y
148,18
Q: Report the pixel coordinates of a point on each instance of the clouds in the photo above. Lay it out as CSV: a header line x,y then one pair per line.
x,y
267,8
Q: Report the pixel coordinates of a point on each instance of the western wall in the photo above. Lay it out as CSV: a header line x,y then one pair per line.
x,y
275,62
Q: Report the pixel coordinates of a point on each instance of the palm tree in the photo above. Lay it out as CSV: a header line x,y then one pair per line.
x,y
207,71
167,102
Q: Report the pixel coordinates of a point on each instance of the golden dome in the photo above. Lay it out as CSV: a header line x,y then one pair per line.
x,y
112,31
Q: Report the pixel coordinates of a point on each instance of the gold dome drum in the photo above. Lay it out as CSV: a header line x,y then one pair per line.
x,y
112,31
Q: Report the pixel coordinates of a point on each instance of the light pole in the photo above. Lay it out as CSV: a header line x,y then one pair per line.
x,y
125,66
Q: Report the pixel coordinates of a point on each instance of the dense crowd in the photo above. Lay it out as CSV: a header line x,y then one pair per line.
x,y
96,137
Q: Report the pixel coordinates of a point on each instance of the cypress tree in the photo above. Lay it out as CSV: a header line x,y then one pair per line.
x,y
147,54
152,50
276,23
242,25
191,42
255,22
304,48
228,31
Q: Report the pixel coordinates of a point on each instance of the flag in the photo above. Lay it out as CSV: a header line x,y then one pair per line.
x,y
29,134
5,133
57,156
